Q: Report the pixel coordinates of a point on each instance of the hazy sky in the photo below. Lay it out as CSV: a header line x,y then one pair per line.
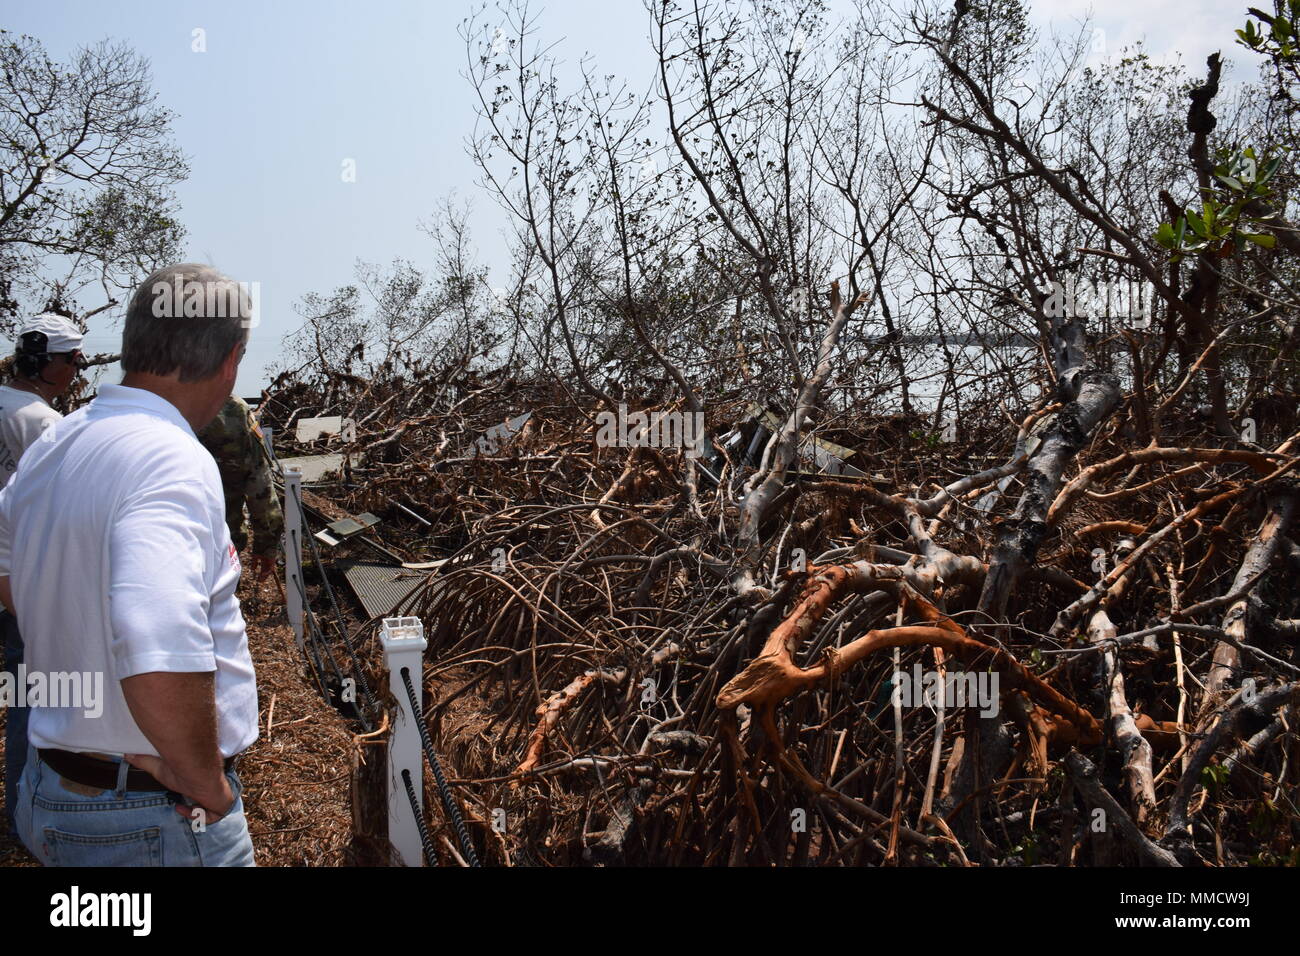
x,y
286,91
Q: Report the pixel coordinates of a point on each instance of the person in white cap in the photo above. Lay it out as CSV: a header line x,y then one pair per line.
x,y
47,357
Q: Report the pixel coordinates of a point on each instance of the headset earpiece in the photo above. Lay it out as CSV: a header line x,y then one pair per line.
x,y
31,359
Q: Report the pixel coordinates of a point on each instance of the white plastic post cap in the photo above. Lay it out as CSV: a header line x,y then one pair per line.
x,y
400,633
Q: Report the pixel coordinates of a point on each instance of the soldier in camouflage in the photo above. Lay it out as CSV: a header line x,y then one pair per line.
x,y
235,442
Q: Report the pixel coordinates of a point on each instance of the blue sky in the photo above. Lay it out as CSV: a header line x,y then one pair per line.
x,y
286,91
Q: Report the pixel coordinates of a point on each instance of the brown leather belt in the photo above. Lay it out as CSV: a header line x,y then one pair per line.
x,y
102,774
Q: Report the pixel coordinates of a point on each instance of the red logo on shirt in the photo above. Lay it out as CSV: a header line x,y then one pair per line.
x,y
234,557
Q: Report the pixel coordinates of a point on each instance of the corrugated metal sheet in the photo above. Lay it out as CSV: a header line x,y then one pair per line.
x,y
381,587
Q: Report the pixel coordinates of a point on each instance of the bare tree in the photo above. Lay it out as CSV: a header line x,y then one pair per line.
x,y
86,169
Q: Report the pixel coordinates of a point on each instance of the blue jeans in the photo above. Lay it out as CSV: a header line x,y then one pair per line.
x,y
123,827
15,721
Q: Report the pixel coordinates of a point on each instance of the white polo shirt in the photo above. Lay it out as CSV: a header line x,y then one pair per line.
x,y
113,534
23,416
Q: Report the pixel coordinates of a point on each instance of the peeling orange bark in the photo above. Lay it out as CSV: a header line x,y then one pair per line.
x,y
554,707
773,676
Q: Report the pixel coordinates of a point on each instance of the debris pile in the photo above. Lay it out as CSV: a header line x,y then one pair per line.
x,y
909,657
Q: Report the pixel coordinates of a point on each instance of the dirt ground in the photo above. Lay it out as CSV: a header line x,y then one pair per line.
x,y
296,776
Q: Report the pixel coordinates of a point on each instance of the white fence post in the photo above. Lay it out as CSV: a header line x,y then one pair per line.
x,y
404,644
293,581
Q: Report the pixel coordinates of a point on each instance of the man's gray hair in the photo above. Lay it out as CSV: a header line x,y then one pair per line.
x,y
185,318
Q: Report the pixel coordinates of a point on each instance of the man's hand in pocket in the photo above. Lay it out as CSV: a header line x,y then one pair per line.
x,y
217,796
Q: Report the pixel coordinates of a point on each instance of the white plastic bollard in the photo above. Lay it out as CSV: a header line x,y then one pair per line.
x,y
404,644
293,551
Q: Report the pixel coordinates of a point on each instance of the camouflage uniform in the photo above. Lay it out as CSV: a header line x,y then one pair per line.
x,y
235,442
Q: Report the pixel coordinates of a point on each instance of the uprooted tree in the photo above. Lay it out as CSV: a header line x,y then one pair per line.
x,y
1046,305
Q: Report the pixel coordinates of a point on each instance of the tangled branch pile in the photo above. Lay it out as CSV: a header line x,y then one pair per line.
x,y
596,672
1073,436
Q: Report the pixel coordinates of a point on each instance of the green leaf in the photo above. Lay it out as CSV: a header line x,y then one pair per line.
x,y
1214,776
1267,240
1182,230
1232,182
1165,236
1198,224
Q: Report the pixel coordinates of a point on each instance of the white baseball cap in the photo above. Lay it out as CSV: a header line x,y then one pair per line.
x,y
61,333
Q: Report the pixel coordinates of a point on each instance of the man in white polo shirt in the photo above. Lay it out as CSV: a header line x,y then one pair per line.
x,y
47,358
115,556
